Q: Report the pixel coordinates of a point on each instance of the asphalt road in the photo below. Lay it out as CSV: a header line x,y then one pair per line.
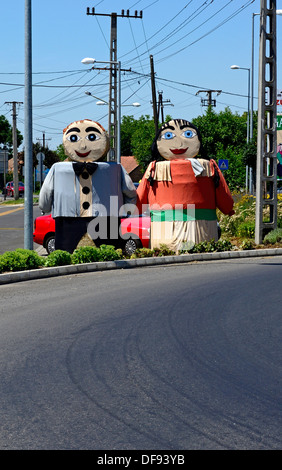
x,y
12,226
181,357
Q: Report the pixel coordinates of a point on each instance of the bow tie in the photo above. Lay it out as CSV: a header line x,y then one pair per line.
x,y
79,167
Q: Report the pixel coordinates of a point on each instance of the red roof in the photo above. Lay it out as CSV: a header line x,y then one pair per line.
x,y
129,163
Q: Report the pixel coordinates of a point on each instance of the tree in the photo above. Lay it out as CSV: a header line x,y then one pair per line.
x,y
60,151
223,129
127,129
137,136
142,140
51,157
224,136
6,134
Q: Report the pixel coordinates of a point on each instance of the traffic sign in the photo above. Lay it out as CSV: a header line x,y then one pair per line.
x,y
223,164
279,123
40,157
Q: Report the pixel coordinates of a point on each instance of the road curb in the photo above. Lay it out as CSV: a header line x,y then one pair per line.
x,y
42,273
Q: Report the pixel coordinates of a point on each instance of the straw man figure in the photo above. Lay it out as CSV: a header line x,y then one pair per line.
x,y
86,190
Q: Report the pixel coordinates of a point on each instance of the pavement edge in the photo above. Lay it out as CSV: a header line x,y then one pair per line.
x,y
42,273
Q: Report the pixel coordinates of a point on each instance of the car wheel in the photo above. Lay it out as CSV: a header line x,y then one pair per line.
x,y
50,244
131,246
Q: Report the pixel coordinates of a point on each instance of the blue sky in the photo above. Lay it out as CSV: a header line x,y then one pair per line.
x,y
193,43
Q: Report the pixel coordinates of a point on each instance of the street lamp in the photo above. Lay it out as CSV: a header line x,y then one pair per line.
x,y
90,60
102,102
93,96
236,67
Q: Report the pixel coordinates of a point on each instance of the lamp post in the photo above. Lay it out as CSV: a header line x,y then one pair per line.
x,y
236,67
252,77
93,96
90,60
102,103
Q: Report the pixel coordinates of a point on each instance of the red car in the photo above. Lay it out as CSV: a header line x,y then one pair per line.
x,y
10,188
135,232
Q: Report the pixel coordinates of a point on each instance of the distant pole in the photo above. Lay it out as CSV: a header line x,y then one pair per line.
x,y
15,148
15,153
209,102
252,80
154,98
28,167
5,171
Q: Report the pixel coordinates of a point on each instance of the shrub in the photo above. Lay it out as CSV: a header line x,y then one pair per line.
x,y
244,217
163,250
224,245
20,260
58,258
109,253
210,246
246,229
1,264
32,259
85,254
90,254
247,245
274,236
143,253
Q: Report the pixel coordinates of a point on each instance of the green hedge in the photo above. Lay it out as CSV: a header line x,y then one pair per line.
x,y
275,236
22,259
91,254
58,258
203,247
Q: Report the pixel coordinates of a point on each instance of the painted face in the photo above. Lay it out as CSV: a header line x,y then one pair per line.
x,y
85,141
178,141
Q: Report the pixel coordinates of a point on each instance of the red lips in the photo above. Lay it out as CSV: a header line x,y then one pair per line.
x,y
178,151
82,155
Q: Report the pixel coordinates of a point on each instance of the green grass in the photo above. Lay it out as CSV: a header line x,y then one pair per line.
x,y
12,202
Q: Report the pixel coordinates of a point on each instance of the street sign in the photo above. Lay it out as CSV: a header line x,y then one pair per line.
x,y
40,157
223,165
279,123
3,161
37,173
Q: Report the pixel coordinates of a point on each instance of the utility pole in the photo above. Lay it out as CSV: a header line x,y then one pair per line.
x,y
28,167
154,98
15,148
161,104
43,139
209,101
266,186
113,115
